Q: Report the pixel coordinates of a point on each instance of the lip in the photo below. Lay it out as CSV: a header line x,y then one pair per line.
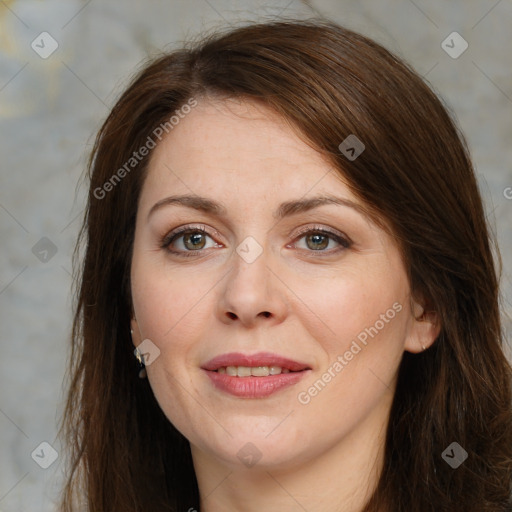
x,y
259,359
254,387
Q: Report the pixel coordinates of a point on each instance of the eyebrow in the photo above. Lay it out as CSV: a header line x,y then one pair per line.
x,y
285,209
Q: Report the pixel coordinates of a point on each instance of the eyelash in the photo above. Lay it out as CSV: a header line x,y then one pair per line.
x,y
168,239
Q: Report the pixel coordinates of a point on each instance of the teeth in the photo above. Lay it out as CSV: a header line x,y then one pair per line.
x,y
243,371
259,371
255,371
232,370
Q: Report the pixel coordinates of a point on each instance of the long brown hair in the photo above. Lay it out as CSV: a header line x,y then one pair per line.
x,y
415,175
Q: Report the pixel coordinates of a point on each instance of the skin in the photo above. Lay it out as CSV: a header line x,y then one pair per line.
x,y
303,298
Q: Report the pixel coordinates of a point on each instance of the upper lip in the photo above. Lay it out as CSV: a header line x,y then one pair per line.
x,y
259,359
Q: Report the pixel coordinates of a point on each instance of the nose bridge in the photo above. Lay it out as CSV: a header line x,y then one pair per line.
x,y
251,290
250,279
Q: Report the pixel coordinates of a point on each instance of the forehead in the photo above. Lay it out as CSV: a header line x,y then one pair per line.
x,y
239,145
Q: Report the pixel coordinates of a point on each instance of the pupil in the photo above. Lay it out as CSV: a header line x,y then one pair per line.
x,y
316,239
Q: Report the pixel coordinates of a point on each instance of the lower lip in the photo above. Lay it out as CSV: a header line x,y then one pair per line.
x,y
254,387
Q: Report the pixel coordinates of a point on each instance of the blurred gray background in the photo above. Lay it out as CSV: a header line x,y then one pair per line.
x,y
51,105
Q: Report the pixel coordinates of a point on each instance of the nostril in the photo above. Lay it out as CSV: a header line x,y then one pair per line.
x,y
232,315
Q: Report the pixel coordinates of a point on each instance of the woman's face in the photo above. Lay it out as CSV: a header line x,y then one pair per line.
x,y
273,273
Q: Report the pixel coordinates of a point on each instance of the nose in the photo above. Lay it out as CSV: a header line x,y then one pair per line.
x,y
252,293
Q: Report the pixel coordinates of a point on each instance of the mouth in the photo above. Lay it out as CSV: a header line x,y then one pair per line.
x,y
254,376
261,364
253,371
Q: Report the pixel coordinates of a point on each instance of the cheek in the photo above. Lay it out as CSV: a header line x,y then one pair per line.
x,y
362,330
346,306
167,303
171,314
362,333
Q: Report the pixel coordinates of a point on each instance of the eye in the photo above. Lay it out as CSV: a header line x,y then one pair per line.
x,y
187,239
192,240
318,239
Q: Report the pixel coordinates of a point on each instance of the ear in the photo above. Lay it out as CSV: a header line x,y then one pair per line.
x,y
425,326
134,327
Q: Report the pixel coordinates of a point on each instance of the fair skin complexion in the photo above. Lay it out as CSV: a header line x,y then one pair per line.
x,y
304,297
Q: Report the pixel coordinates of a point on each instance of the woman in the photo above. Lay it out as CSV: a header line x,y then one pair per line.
x,y
286,242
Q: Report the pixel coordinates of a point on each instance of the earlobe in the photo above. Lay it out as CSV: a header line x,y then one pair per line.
x,y
136,340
